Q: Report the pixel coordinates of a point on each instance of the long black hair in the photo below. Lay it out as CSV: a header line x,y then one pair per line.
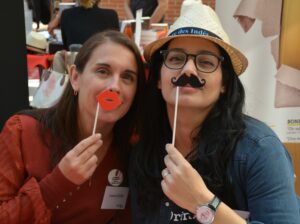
x,y
213,146
61,119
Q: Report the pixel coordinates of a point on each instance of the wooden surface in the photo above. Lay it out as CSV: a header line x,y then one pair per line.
x,y
294,150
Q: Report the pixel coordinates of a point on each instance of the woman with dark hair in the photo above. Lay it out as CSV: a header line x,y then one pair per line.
x,y
224,167
53,169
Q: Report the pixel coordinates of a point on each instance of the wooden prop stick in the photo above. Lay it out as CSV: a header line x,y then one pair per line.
x,y
108,100
175,116
96,118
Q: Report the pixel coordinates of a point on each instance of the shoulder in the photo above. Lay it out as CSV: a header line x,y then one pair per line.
x,y
108,11
257,134
257,129
20,122
260,148
259,143
71,12
19,129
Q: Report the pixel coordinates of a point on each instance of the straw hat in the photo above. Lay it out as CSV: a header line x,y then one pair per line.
x,y
199,20
36,42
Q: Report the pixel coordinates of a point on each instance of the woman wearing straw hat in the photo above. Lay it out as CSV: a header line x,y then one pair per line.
x,y
222,166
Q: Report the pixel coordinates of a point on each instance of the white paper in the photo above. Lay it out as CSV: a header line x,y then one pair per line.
x,y
115,197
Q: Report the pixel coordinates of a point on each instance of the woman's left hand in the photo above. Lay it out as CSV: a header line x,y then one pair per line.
x,y
182,183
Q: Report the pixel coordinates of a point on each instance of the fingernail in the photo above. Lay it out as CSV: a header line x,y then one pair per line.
x,y
98,135
168,147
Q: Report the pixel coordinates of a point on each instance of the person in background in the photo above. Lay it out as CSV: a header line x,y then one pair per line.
x,y
79,23
55,21
155,9
224,167
52,168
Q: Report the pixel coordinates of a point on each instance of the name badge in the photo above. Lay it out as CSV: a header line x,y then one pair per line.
x,y
243,214
115,197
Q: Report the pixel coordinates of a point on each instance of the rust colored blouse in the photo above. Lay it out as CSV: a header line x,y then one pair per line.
x,y
32,192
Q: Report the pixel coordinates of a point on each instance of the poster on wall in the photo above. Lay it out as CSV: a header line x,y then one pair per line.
x,y
268,33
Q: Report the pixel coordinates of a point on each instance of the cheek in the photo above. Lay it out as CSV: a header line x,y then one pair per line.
x,y
165,83
168,91
214,88
130,93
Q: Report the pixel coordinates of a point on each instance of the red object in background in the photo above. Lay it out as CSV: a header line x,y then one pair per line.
x,y
36,63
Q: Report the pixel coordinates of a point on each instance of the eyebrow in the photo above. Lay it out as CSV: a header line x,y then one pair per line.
x,y
130,71
108,65
199,52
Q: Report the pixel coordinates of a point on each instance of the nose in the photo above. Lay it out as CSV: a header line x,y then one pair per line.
x,y
190,66
115,84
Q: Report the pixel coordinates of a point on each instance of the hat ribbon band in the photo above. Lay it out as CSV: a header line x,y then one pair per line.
x,y
193,31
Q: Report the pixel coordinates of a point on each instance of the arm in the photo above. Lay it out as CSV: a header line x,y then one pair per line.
x,y
127,9
186,188
54,23
269,183
160,11
21,199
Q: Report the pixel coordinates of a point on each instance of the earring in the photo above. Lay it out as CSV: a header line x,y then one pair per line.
x,y
75,93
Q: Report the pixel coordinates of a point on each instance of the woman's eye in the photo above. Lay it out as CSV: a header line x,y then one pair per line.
x,y
206,63
128,77
174,60
103,71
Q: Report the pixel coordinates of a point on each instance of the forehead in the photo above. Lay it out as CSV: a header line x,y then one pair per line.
x,y
194,44
108,48
113,53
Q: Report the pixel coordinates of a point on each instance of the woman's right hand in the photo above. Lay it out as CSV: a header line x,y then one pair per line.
x,y
79,164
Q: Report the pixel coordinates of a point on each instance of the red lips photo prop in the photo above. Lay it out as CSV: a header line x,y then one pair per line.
x,y
109,100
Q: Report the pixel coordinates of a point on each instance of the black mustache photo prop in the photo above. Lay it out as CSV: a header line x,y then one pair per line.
x,y
193,80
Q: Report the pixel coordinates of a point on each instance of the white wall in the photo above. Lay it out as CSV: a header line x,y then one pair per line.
x,y
258,80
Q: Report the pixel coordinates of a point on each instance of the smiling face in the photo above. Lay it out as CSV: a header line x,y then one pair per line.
x,y
112,67
199,98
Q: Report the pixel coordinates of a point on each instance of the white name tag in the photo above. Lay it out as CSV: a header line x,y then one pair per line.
x,y
115,197
243,214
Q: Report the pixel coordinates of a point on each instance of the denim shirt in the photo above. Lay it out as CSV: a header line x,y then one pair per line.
x,y
263,181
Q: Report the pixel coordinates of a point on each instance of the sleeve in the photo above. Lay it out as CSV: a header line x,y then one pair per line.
x,y
21,199
270,184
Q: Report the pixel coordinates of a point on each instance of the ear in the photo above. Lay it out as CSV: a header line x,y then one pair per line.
x,y
74,78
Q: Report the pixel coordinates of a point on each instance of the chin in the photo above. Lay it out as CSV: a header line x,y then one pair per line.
x,y
110,117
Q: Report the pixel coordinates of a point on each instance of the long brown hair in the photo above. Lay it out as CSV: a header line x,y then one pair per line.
x,y
61,119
